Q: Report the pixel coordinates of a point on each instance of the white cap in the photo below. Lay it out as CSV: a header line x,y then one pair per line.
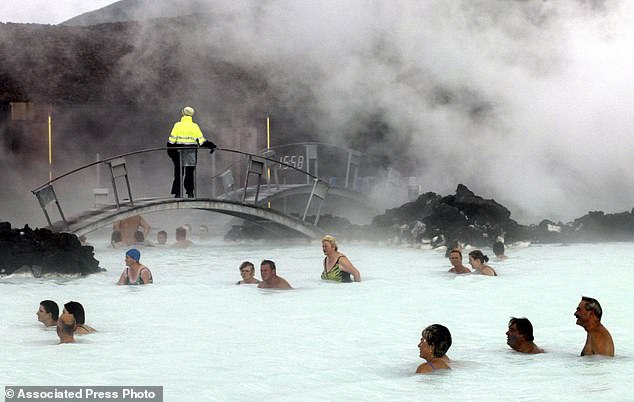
x,y
188,111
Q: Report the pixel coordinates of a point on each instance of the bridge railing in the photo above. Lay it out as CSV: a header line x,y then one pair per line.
x,y
147,174
307,156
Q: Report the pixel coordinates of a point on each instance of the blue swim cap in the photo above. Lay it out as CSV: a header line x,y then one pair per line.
x,y
134,254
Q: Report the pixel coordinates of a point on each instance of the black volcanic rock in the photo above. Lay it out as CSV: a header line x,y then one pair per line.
x,y
464,217
43,251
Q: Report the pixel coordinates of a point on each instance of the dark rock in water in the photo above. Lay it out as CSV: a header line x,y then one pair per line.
x,y
44,252
463,217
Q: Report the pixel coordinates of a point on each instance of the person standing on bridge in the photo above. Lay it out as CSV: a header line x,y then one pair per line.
x,y
185,133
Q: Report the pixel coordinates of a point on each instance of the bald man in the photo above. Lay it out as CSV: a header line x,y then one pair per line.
x,y
66,328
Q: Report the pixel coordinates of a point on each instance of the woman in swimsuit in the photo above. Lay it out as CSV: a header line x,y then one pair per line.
x,y
135,273
77,310
247,271
337,267
478,263
434,343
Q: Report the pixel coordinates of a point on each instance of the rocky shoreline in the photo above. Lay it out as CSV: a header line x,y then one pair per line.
x,y
42,252
466,218
432,219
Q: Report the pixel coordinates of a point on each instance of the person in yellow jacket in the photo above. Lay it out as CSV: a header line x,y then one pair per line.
x,y
185,133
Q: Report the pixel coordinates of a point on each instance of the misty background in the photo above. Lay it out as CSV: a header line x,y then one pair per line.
x,y
526,102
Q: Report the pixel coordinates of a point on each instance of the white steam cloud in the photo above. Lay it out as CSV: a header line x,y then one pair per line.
x,y
526,102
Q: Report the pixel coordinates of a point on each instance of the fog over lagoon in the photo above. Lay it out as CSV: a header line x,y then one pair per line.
x,y
524,102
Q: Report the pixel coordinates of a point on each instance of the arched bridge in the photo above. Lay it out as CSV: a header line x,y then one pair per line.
x,y
253,201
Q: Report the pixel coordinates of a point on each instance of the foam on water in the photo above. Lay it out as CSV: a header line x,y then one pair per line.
x,y
203,338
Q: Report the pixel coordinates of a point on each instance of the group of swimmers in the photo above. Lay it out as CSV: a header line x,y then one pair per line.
x,y
477,260
337,268
133,231
70,322
436,339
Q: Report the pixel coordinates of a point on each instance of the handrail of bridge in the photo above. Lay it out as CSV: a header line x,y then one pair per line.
x,y
46,194
327,144
111,158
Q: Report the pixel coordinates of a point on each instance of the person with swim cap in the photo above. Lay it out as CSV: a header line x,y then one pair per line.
x,y
135,272
185,133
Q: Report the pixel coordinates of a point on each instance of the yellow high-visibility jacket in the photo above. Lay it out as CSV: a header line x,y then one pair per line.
x,y
186,132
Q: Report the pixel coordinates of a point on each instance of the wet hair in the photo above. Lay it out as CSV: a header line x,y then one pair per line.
x,y
77,310
181,232
269,263
439,338
330,239
593,304
138,236
51,307
498,248
524,327
454,250
477,255
247,264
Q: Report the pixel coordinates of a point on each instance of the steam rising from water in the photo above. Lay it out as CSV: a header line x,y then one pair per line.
x,y
526,102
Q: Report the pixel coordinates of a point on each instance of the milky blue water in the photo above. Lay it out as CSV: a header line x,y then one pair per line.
x,y
203,338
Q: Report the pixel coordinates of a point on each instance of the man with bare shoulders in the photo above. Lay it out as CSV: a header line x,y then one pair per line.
x,y
270,280
520,336
599,341
455,257
128,226
66,328
181,238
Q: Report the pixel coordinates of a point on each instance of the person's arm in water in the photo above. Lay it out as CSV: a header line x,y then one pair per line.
x,y
122,278
347,266
146,276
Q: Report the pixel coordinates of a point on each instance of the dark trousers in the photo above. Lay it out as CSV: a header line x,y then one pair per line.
x,y
189,175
